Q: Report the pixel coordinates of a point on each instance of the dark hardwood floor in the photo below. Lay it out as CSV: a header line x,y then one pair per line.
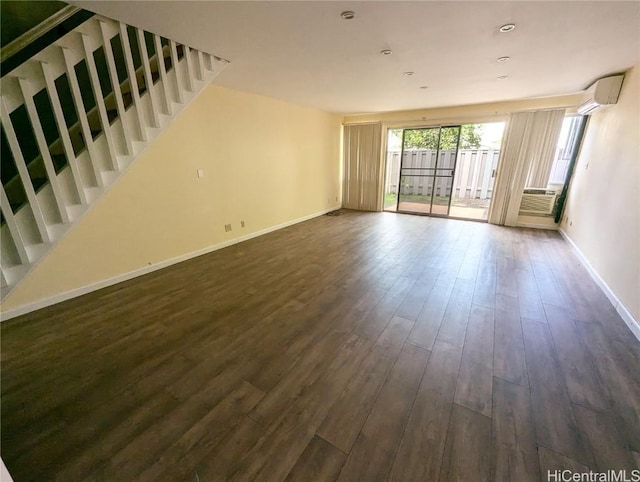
x,y
354,348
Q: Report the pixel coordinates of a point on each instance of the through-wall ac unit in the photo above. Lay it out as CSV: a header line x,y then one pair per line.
x,y
602,93
538,201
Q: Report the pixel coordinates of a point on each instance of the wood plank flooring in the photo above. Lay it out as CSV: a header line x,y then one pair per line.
x,y
367,346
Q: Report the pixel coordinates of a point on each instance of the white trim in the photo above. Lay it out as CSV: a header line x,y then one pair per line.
x,y
133,80
163,73
285,224
148,78
537,226
173,51
14,231
625,314
99,100
200,65
83,118
43,147
61,124
113,78
67,295
23,171
190,75
4,473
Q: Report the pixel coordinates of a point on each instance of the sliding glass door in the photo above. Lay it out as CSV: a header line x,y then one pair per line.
x,y
443,171
476,167
427,166
417,169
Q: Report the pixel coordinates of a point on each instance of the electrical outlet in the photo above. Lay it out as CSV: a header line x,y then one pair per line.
x,y
242,224
227,228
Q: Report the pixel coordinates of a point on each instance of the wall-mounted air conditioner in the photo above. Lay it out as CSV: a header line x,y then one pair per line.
x,y
602,93
538,201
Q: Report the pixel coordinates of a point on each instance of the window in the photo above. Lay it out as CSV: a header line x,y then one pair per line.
x,y
567,143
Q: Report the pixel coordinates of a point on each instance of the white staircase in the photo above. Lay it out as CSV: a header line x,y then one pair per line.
x,y
73,118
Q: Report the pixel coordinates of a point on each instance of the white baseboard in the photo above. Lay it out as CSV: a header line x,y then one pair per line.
x,y
625,314
537,226
74,293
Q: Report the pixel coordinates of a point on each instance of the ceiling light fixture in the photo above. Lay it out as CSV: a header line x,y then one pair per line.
x,y
504,59
348,14
503,77
508,27
408,74
386,52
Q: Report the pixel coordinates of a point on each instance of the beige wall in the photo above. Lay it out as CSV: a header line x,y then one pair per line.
x,y
603,208
265,161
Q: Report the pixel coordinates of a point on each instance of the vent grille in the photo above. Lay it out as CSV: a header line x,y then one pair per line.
x,y
537,203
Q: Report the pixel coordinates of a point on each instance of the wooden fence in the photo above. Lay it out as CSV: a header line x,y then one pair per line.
x,y
473,178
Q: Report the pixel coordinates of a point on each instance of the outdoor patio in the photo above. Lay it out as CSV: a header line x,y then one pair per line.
x,y
470,188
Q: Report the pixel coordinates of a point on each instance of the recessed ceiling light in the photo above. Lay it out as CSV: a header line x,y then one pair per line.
x,y
386,52
504,59
348,14
408,74
503,77
507,27
424,86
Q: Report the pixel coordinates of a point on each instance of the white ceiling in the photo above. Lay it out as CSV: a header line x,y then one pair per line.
x,y
304,52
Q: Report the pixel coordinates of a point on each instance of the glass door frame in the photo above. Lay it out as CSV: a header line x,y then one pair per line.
x,y
404,131
435,169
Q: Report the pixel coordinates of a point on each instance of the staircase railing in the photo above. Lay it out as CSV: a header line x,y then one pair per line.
x,y
73,117
38,37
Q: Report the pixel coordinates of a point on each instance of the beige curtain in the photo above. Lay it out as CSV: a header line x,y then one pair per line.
x,y
547,137
362,182
526,156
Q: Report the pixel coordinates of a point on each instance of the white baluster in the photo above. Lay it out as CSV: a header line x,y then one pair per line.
x,y
163,73
133,81
200,65
190,75
21,165
64,133
7,212
44,149
115,83
174,61
99,97
146,67
76,95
